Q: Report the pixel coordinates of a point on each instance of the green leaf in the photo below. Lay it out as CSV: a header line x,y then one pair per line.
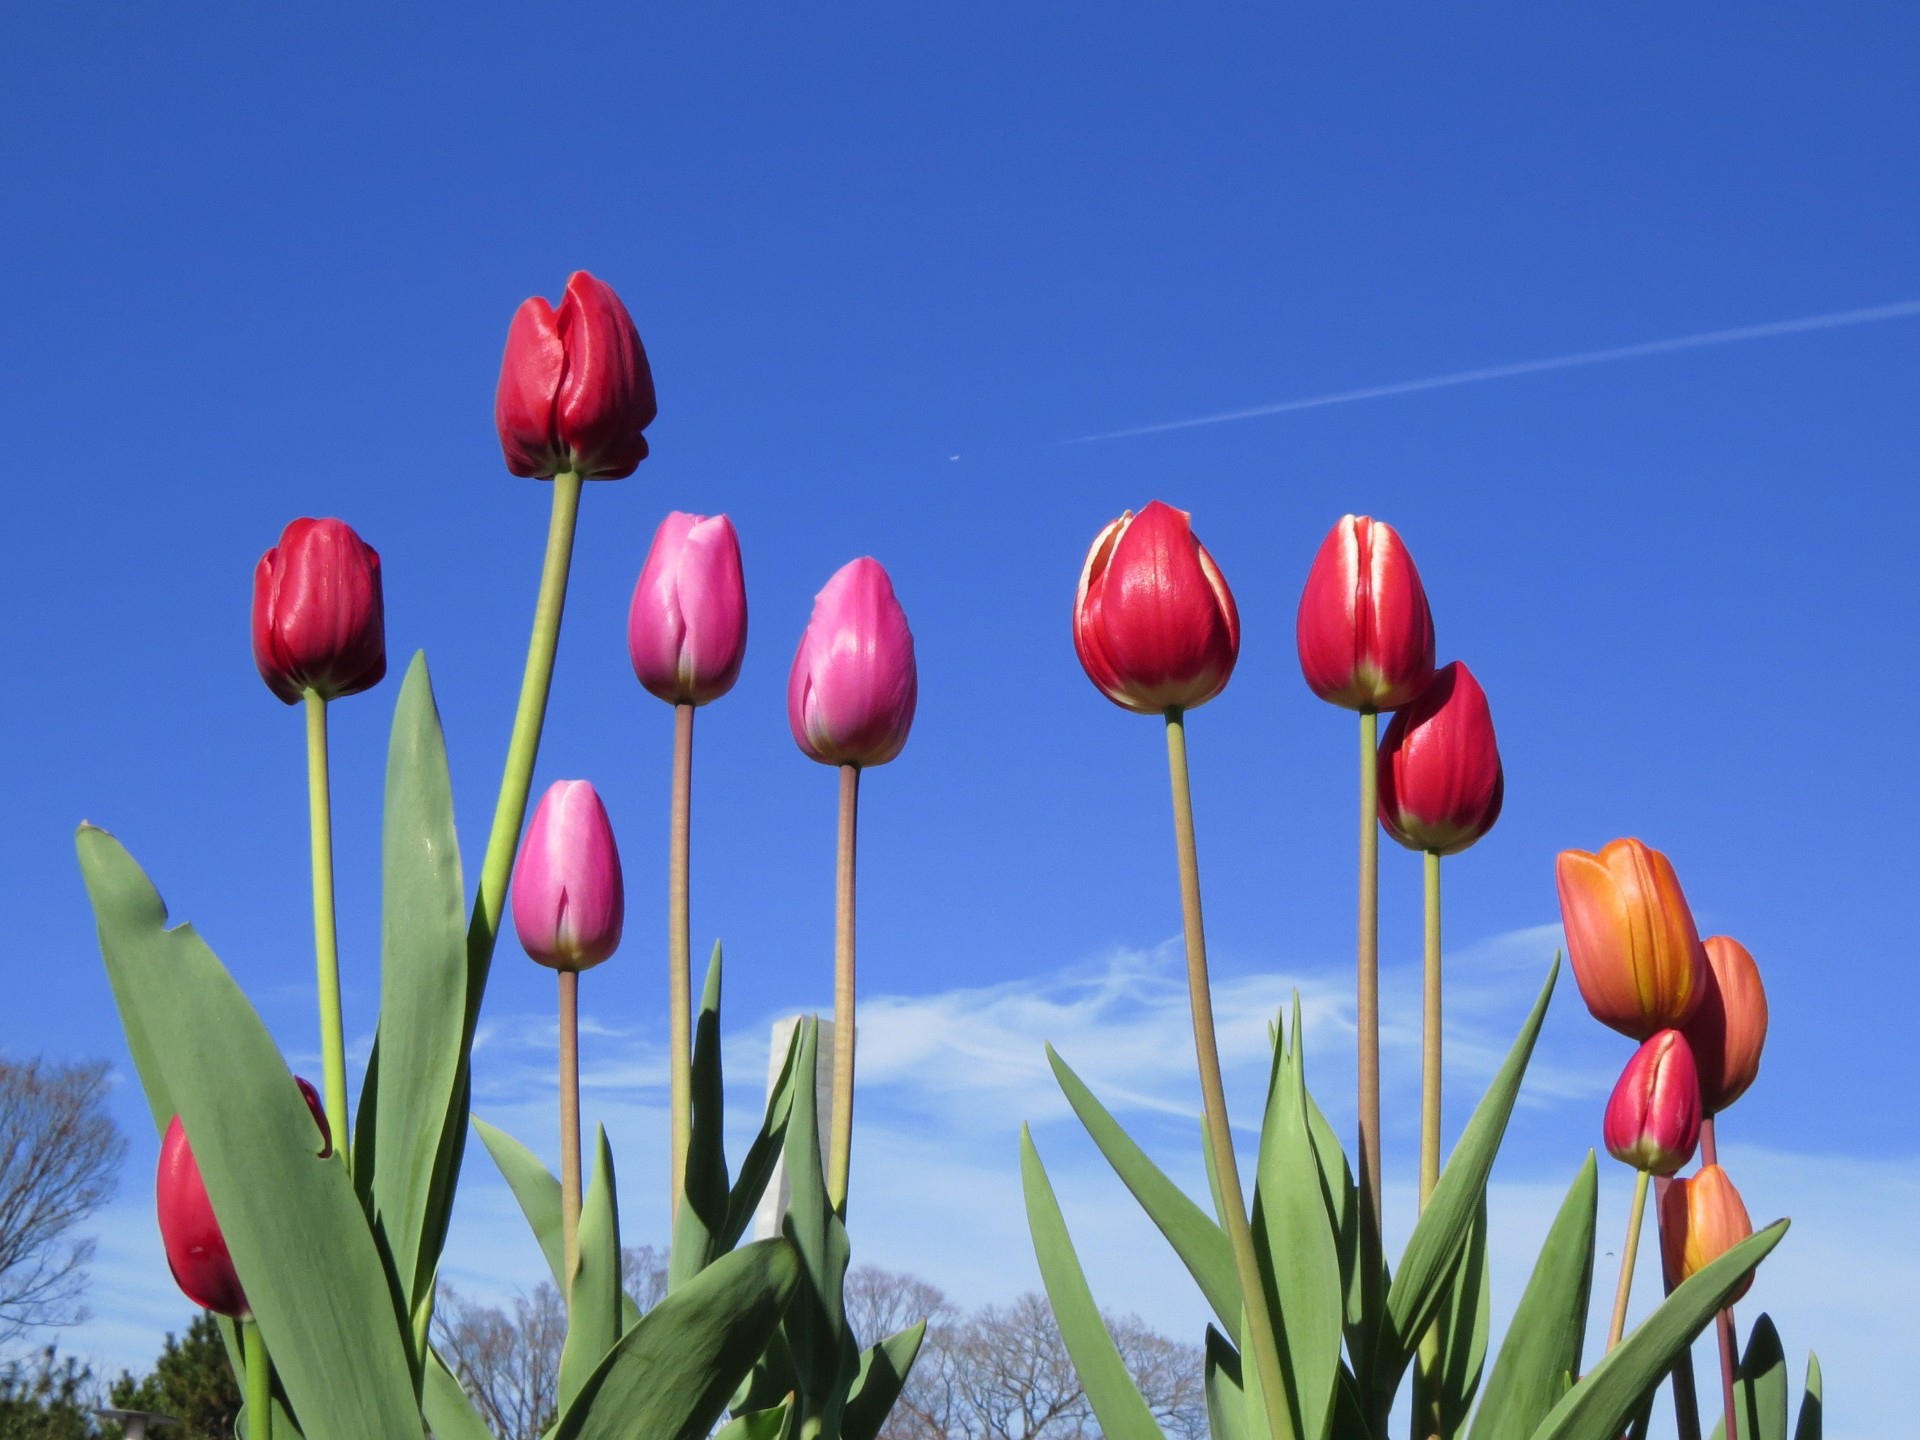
x,y
1549,1329
1808,1426
1196,1238
1464,1323
538,1192
1760,1393
448,1411
593,1299
775,1423
882,1376
704,1201
1115,1399
764,1153
671,1374
815,1325
1599,1405
299,1239
1226,1400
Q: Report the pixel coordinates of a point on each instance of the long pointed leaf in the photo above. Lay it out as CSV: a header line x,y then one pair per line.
x,y
756,1169
1761,1393
883,1372
1226,1399
593,1299
1809,1425
702,1219
815,1324
448,1411
537,1190
1464,1323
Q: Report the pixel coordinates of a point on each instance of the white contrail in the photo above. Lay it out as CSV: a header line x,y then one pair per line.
x,y
1898,310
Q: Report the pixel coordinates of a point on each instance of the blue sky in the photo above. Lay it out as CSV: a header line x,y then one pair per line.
x,y
888,264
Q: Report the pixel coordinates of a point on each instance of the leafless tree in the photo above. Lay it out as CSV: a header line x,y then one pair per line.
x,y
59,1155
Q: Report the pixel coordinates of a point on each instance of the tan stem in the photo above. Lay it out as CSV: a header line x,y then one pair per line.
x,y
1368,992
1426,1375
840,1152
679,953
570,1119
1627,1259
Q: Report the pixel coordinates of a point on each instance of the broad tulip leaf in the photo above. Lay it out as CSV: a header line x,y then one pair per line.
x,y
593,1299
1116,1401
1549,1329
1598,1407
1464,1323
446,1407
704,1203
324,1299
882,1376
1196,1238
537,1190
764,1153
1226,1400
775,1423
815,1325
1760,1387
1808,1426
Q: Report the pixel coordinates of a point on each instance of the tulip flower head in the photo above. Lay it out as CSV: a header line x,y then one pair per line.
x,y
1701,1218
1729,1027
1364,631
569,902
319,622
687,630
1630,935
1154,623
1653,1116
575,388
853,687
1441,784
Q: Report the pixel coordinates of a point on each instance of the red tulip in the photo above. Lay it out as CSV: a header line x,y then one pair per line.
x,y
575,390
1653,1116
1154,623
319,622
1364,632
569,901
1700,1220
687,628
1441,784
1630,935
854,684
1729,1028
196,1250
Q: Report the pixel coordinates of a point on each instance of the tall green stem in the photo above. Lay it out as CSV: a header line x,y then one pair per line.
x,y
840,1150
326,940
259,1382
1627,1259
1257,1320
1426,1388
1368,989
679,951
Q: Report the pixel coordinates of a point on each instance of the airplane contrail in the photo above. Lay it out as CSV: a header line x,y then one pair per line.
x,y
1900,309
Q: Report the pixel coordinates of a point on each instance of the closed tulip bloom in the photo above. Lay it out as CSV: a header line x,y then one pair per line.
x,y
1630,935
1441,784
1364,631
569,902
575,389
319,622
687,630
1154,623
1653,1116
1729,1028
1701,1218
852,691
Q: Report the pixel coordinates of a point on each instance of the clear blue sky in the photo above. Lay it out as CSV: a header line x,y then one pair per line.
x,y
259,264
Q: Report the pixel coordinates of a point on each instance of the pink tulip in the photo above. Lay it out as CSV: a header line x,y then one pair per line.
x,y
1653,1116
568,900
851,695
687,630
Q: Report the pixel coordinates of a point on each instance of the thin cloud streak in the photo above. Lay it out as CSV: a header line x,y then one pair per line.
x,y
1899,310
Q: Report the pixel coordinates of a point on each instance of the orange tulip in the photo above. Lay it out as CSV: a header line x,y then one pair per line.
x,y
1635,951
1700,1220
1729,1028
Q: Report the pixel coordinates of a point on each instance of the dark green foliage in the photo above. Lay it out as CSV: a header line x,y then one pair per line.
x,y
191,1381
45,1398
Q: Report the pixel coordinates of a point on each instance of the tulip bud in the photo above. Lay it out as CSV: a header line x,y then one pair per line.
x,y
687,630
569,902
1441,784
575,389
1630,935
851,694
1653,1116
1729,1028
1364,632
1700,1220
196,1250
319,622
1154,624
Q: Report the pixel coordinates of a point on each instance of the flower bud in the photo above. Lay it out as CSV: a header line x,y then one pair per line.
x,y
1154,624
1729,1028
1700,1220
319,622
575,389
852,691
1364,632
1653,1116
1630,935
1441,784
196,1250
687,630
569,902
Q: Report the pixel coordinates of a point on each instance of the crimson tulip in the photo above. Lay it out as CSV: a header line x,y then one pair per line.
x,y
319,622
1154,623
1701,1218
569,902
1441,784
1729,1027
1364,631
1630,935
687,628
1653,1116
853,687
575,389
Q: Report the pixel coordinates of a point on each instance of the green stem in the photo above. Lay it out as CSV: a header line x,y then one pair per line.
x,y
1368,991
1627,1258
1426,1417
570,1122
326,940
679,953
259,1382
840,1149
1257,1321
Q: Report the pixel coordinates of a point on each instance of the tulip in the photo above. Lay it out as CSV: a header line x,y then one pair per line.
x,y
1729,1028
319,623
687,630
575,390
1701,1218
1441,784
1154,623
568,900
851,694
1364,632
1653,1116
1630,935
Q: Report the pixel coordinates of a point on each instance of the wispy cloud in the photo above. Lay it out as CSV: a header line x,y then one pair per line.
x,y
1834,320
